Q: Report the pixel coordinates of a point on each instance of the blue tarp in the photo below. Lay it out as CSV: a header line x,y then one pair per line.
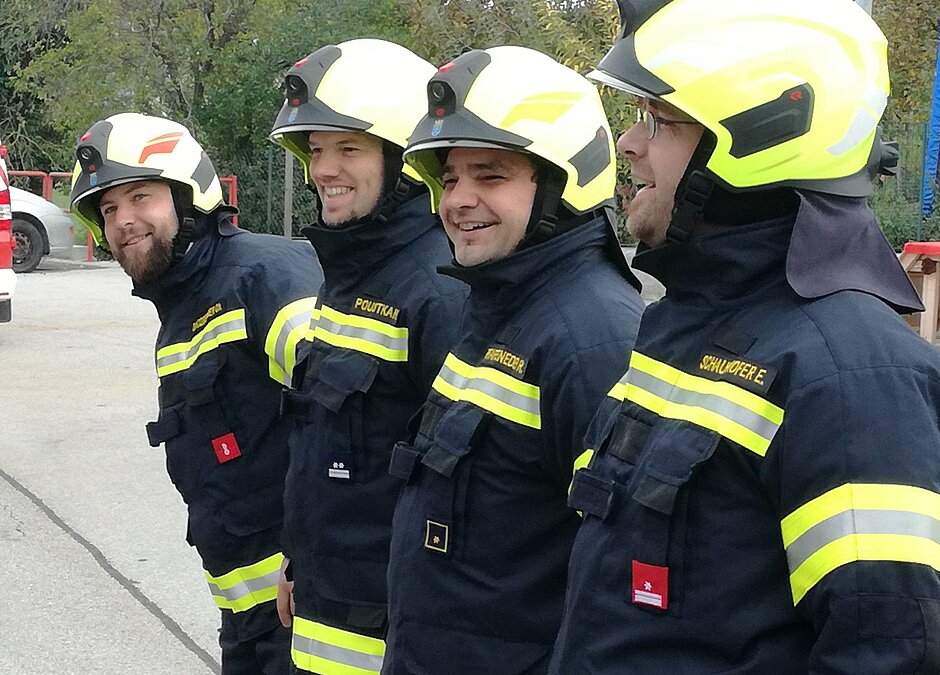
x,y
930,178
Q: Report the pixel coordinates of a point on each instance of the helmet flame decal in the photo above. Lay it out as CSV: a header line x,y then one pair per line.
x,y
542,107
164,144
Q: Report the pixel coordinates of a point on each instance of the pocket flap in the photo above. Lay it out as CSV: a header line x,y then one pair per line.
x,y
591,494
452,438
165,428
342,373
680,449
404,458
199,380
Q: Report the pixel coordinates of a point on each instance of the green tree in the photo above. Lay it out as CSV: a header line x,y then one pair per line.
x,y
29,28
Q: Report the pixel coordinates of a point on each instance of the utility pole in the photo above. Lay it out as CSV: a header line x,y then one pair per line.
x,y
288,193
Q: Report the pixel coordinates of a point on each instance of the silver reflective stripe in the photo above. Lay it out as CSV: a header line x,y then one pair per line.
x,y
720,406
511,398
227,327
300,319
242,589
862,125
373,336
861,521
334,654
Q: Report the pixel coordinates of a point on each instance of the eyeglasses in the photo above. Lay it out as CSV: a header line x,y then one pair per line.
x,y
653,122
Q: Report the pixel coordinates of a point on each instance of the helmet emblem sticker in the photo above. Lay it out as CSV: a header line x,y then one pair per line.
x,y
93,179
159,145
293,115
436,128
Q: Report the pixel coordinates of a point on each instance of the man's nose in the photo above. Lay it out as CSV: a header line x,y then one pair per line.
x,y
459,195
324,165
633,141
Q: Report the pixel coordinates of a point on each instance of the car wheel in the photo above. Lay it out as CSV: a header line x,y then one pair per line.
x,y
6,310
28,249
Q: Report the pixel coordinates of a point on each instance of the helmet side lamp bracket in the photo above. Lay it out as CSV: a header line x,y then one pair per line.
x,y
295,90
89,158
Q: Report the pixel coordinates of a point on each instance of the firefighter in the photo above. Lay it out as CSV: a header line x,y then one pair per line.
x,y
235,310
766,499
519,157
385,322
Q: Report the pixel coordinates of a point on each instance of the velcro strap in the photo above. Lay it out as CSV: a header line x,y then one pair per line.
x,y
628,438
657,492
591,494
294,404
165,428
404,459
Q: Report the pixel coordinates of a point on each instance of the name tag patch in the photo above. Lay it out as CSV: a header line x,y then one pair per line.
x,y
741,372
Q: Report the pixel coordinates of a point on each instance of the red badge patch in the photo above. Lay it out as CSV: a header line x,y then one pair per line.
x,y
226,448
650,585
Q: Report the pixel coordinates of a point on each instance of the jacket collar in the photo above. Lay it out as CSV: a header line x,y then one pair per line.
x,y
189,271
508,280
352,253
830,244
734,266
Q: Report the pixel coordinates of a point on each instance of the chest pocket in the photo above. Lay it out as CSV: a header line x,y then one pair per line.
x,y
196,431
338,382
620,446
656,516
443,449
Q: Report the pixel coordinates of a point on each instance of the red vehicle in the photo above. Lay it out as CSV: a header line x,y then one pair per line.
x,y
7,277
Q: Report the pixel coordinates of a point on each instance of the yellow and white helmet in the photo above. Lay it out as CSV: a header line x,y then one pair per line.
x,y
515,98
130,147
792,91
365,84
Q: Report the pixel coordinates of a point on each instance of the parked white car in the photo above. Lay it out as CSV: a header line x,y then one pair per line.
x,y
39,228
7,277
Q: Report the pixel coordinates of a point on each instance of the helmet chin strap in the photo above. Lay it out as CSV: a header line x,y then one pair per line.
x,y
544,222
192,224
692,193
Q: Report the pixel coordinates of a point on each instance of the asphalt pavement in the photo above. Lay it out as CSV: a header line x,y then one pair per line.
x,y
96,574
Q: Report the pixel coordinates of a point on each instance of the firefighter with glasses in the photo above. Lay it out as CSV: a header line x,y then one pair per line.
x,y
766,498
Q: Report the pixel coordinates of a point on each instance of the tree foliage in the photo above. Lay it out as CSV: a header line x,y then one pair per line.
x,y
217,65
911,29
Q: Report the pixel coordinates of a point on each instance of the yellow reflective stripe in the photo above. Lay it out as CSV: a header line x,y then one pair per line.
x,y
292,324
731,411
228,327
362,334
853,522
583,459
490,389
318,648
246,587
619,390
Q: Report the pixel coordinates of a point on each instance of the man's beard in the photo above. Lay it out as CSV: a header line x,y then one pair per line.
x,y
648,221
152,266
